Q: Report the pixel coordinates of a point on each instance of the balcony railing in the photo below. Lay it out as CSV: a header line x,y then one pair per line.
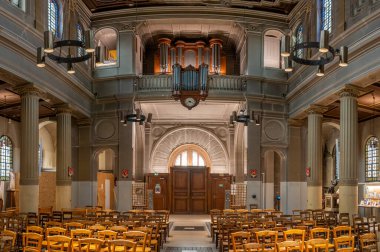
x,y
217,83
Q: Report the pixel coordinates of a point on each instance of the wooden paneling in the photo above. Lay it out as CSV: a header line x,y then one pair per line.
x,y
189,189
102,177
218,185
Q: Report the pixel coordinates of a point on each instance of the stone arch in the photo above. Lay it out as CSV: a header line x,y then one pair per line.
x,y
189,135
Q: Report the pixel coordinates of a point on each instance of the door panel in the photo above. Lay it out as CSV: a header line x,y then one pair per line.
x,y
180,178
218,186
159,185
189,190
198,192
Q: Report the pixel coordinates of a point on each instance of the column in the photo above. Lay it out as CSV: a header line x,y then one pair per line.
x,y
63,187
29,173
348,181
314,157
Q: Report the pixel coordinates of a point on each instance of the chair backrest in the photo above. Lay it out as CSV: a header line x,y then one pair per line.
x,y
148,231
121,246
80,233
73,225
344,242
10,234
239,239
31,241
317,245
252,247
107,235
368,242
136,236
53,224
320,233
90,245
267,238
289,246
58,243
119,230
55,231
295,235
35,229
342,231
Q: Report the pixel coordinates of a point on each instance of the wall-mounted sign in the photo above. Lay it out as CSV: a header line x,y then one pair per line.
x,y
124,173
253,173
221,185
307,171
157,189
70,171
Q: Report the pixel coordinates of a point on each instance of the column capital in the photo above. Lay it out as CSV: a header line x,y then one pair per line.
x,y
29,89
350,90
316,109
63,108
295,122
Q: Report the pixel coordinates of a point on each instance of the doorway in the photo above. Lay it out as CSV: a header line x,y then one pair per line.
x,y
189,190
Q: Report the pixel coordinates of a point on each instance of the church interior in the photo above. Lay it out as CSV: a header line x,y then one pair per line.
x,y
116,109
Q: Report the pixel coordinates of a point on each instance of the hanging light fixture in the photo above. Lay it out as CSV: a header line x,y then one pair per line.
x,y
53,49
291,53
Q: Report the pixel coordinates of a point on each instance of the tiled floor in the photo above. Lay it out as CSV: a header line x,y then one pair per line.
x,y
189,240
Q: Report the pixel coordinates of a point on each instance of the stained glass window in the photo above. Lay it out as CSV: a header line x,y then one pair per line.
x,y
372,159
53,17
326,15
6,157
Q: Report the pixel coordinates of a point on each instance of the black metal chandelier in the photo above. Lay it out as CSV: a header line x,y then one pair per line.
x,y
329,53
56,50
244,117
136,117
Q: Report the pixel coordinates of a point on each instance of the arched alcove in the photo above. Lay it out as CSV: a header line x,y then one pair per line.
x,y
47,154
205,139
272,56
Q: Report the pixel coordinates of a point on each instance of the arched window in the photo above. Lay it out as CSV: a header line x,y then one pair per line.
x,y
189,158
372,159
80,37
106,43
325,19
298,39
272,39
53,17
6,157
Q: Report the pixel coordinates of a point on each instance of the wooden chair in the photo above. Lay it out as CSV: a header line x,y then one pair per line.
x,y
148,231
317,245
342,231
77,234
295,235
35,229
9,240
368,242
252,247
53,224
239,239
267,239
58,243
31,242
289,246
73,225
90,245
119,230
121,246
55,231
346,243
107,235
95,229
321,233
138,237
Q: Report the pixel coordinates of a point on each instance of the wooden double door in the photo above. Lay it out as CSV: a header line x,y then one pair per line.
x,y
189,190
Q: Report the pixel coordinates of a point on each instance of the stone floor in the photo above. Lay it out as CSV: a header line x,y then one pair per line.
x,y
192,237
